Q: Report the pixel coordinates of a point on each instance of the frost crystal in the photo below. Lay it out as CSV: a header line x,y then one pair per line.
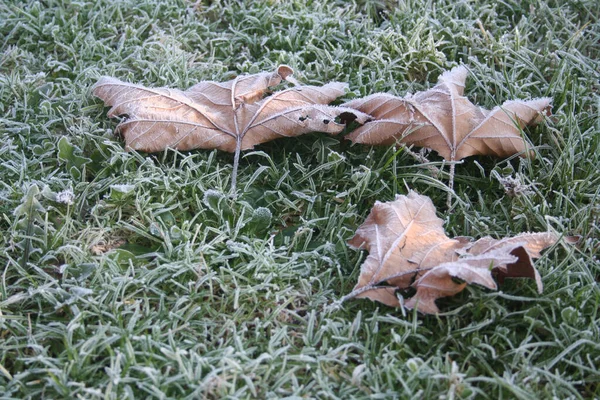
x,y
514,186
66,197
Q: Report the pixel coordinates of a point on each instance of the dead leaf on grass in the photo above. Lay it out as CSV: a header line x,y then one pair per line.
x,y
230,116
444,120
106,246
408,248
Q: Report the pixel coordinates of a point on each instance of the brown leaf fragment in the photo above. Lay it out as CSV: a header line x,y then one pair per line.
x,y
230,116
525,247
408,248
106,246
444,120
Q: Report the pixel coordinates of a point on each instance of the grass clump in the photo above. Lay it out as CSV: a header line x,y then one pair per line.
x,y
127,275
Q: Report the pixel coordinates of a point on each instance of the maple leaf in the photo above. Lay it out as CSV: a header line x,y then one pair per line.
x,y
445,121
230,116
408,248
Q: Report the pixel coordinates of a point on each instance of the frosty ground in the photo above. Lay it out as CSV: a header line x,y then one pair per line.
x,y
128,275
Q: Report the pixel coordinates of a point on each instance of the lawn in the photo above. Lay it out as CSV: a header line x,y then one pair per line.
x,y
133,275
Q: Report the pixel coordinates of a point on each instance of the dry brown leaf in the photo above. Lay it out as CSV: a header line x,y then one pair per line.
x,y
408,248
445,121
106,246
230,116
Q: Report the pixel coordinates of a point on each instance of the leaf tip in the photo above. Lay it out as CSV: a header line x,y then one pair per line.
x,y
456,76
573,239
423,305
284,71
356,242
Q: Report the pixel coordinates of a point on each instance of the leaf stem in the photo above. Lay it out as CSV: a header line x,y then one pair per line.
x,y
450,185
375,286
363,289
236,163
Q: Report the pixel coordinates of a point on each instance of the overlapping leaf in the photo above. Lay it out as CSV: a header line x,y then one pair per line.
x,y
408,248
229,116
444,120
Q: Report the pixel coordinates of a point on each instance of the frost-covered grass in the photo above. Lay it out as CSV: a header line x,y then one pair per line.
x,y
129,275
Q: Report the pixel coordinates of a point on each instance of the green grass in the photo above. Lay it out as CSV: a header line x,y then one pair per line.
x,y
209,297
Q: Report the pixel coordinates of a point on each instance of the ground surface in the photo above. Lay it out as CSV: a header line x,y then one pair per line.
x,y
128,275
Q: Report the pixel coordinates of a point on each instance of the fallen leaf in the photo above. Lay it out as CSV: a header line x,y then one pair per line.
x,y
230,116
105,246
444,120
408,247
